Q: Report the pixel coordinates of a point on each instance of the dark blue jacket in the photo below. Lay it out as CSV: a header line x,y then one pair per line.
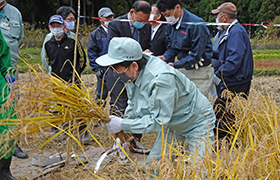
x,y
189,43
235,57
97,46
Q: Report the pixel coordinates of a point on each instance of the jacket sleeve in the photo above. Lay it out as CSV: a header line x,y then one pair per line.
x,y
43,55
113,30
160,108
235,46
199,39
5,59
82,56
93,51
170,53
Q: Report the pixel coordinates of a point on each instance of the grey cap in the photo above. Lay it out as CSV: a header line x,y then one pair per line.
x,y
105,12
121,49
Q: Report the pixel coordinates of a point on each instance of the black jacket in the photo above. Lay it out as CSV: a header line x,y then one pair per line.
x,y
122,29
159,42
60,56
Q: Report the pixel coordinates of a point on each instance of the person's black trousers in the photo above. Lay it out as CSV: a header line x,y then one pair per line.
x,y
223,115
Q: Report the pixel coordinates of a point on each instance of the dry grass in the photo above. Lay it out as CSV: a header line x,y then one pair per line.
x,y
256,132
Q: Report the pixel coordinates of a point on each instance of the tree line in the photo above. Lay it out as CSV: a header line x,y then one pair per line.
x,y
249,11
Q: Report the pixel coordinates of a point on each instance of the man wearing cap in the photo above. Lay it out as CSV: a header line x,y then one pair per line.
x,y
235,64
59,51
98,46
141,32
12,29
190,43
158,95
68,14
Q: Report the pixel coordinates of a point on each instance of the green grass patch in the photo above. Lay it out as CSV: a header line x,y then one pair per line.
x,y
266,54
33,57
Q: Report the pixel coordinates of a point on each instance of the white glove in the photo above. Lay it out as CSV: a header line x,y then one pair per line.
x,y
199,63
115,125
216,80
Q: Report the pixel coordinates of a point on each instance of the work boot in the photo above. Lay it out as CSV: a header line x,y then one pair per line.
x,y
137,147
84,137
20,154
5,173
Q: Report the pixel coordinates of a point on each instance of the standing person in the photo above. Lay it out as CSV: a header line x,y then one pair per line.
x,y
68,14
98,46
190,43
12,29
7,149
236,64
59,51
158,95
158,38
141,32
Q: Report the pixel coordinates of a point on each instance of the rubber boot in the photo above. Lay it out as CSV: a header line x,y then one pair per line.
x,y
5,173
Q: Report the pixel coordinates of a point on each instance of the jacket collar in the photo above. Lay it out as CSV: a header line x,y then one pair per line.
x,y
63,38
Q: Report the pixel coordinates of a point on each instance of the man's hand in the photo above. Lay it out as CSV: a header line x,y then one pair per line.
x,y
162,58
199,63
115,125
171,64
9,79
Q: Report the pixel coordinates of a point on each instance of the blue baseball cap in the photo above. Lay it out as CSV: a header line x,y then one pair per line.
x,y
57,19
121,49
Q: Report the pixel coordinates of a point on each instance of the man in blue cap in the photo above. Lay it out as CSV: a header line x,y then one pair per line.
x,y
68,14
59,51
158,95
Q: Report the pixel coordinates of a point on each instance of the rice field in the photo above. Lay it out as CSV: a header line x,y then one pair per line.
x,y
252,154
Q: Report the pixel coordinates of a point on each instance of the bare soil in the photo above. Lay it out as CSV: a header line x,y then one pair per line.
x,y
22,168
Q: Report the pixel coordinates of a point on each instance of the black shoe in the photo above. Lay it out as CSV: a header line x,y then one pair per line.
x,y
84,138
137,147
20,154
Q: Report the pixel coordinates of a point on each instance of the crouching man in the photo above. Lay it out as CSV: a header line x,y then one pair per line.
x,y
158,95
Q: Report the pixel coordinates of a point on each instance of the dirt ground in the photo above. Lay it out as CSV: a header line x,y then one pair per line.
x,y
22,168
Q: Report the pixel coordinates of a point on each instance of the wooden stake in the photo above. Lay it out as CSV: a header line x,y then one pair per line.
x,y
76,43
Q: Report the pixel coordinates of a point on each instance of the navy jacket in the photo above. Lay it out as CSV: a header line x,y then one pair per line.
x,y
97,46
189,43
235,57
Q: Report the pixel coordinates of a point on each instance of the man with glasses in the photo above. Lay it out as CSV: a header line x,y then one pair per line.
x,y
140,31
68,15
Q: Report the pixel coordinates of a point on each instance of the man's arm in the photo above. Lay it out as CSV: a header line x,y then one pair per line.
x,y
43,54
235,49
160,107
92,51
82,56
113,30
199,40
170,53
